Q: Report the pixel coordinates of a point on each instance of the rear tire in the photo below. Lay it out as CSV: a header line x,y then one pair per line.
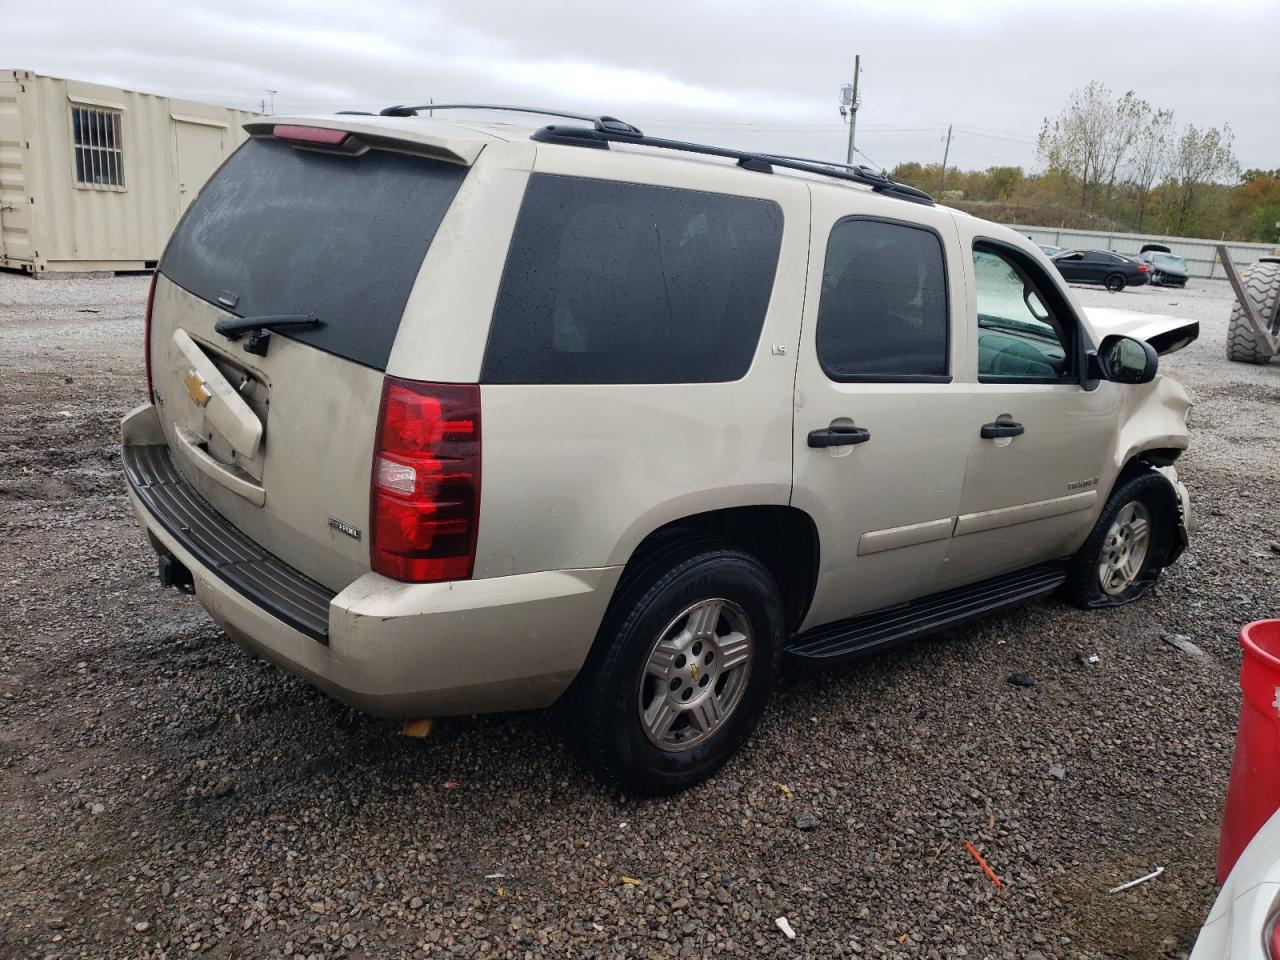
x,y
1262,286
1129,544
1115,282
647,714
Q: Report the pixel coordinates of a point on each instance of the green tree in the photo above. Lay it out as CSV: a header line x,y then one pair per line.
x,y
1199,158
1003,183
1255,206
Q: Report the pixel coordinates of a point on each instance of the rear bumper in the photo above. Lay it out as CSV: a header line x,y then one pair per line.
x,y
390,648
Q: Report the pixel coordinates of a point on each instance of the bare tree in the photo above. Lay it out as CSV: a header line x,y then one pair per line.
x,y
1093,137
1199,157
1150,157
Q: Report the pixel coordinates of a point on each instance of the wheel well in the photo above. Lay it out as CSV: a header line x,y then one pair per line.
x,y
1143,459
1146,460
784,539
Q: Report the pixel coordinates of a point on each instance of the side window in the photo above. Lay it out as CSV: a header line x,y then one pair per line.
x,y
1020,335
610,282
98,148
883,312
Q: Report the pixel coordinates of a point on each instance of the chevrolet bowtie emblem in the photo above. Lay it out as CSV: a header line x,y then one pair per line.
x,y
693,670
197,389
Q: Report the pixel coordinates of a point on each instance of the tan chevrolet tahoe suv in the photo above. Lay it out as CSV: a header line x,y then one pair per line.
x,y
450,416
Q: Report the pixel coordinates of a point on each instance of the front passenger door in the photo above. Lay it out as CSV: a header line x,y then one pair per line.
x,y
1038,460
1071,266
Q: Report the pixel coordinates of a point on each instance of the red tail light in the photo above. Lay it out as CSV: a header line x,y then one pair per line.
x,y
1143,268
425,500
146,331
1272,937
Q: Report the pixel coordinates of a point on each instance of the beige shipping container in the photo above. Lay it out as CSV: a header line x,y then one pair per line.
x,y
95,177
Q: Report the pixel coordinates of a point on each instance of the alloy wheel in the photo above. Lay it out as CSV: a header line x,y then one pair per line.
x,y
1124,549
695,674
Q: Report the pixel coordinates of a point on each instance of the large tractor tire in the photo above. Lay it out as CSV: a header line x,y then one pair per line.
x,y
1262,286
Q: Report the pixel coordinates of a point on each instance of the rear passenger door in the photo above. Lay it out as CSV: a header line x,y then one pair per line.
x,y
879,444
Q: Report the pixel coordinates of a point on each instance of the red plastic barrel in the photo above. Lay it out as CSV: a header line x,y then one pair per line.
x,y
1254,793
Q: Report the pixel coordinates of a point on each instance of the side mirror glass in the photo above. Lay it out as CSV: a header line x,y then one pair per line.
x,y
1126,360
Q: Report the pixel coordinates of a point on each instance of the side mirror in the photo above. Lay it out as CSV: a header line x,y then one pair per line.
x,y
1126,360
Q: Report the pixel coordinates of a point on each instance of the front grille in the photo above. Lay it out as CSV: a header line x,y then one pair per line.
x,y
216,543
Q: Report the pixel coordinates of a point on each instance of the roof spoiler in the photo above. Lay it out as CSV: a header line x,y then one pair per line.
x,y
322,133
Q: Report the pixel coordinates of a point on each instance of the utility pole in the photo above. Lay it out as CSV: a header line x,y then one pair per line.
x,y
947,150
272,102
853,107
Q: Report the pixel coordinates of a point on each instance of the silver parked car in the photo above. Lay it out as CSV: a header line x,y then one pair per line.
x,y
1167,269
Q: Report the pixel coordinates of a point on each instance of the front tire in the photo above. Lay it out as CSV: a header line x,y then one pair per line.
x,y
1115,282
684,664
1130,542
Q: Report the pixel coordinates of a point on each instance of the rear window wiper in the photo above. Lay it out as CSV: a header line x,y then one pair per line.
x,y
233,327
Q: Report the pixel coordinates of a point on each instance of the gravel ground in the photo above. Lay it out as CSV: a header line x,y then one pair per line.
x,y
164,794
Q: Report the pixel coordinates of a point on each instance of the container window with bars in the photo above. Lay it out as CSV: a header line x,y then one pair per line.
x,y
99,150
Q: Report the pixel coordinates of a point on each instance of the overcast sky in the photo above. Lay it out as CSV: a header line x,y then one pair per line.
x,y
761,75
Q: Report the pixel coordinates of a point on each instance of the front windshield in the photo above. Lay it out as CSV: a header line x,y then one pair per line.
x,y
1169,260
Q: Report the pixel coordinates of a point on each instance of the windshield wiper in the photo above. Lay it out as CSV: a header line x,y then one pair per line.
x,y
233,327
987,321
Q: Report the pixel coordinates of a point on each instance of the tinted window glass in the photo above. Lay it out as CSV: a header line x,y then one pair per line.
x,y
883,312
1018,335
624,283
288,231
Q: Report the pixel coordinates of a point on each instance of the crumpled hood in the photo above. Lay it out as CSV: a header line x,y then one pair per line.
x,y
1166,334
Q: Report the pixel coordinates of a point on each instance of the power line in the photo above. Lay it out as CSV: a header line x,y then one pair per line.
x,y
992,136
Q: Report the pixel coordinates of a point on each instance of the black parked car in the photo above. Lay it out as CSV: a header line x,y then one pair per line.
x,y
1112,270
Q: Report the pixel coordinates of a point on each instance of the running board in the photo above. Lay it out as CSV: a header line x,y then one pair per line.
x,y
870,631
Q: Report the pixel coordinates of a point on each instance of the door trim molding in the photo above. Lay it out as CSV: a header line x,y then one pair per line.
x,y
1024,513
892,538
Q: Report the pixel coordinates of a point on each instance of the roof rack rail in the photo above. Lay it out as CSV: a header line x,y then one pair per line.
x,y
863,167
600,138
599,124
605,130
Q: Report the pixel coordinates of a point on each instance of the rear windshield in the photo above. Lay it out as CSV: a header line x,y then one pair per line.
x,y
610,282
280,230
